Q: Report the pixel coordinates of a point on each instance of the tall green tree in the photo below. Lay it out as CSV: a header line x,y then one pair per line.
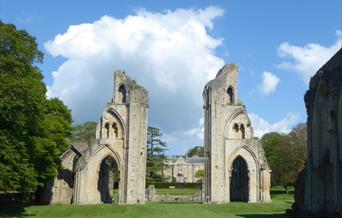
x,y
33,129
156,157
286,154
84,133
51,139
298,138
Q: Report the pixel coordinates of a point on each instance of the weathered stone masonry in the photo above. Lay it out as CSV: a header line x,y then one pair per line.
x,y
319,185
235,164
121,137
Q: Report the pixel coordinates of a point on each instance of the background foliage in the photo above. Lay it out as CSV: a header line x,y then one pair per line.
x,y
84,133
196,151
286,154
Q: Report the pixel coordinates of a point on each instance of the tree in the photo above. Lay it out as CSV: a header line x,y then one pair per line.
x,y
298,138
33,129
84,133
51,139
275,147
156,148
155,145
200,174
285,154
196,151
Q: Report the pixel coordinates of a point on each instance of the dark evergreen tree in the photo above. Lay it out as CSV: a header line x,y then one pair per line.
x,y
156,148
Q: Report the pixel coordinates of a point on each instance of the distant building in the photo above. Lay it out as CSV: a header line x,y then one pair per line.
x,y
183,169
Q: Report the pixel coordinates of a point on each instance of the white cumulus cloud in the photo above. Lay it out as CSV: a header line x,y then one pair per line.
x,y
306,60
170,53
261,126
197,131
269,83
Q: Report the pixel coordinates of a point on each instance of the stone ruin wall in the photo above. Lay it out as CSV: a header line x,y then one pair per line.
x,y
228,134
120,134
318,188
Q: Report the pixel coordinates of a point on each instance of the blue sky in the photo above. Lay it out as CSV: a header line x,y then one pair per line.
x,y
278,45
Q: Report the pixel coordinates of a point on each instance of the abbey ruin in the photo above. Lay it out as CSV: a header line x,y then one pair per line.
x,y
118,153
235,165
318,188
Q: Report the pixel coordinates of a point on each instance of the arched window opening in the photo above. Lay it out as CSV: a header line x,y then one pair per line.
x,y
231,97
107,127
242,128
236,127
122,94
239,180
116,130
109,177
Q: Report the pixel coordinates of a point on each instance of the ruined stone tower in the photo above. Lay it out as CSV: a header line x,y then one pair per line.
x,y
235,165
120,147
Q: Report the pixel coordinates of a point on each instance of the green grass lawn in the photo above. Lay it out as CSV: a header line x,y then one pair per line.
x,y
176,191
281,202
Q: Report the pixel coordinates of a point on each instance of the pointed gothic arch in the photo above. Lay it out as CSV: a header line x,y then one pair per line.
x,y
109,175
252,167
88,178
239,180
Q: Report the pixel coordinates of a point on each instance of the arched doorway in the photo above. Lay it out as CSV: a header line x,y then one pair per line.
x,y
239,180
108,182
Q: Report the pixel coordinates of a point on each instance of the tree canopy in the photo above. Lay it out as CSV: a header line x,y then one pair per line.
x,y
33,129
286,154
200,174
84,133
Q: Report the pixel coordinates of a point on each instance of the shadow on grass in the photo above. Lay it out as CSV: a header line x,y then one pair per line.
x,y
14,210
263,215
